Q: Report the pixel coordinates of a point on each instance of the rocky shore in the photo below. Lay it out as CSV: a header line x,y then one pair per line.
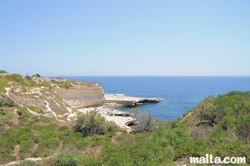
x,y
65,99
128,101
86,99
109,111
122,119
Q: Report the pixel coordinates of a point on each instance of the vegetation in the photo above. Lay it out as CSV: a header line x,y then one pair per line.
x,y
217,125
5,114
37,81
23,112
68,158
3,71
93,123
36,75
3,84
6,101
144,120
36,109
63,83
15,78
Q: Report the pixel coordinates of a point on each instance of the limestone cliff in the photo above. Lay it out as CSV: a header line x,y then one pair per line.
x,y
55,97
82,96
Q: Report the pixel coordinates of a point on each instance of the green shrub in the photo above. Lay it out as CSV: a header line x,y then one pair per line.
x,y
35,118
68,159
53,143
46,146
47,133
23,112
6,102
5,114
145,121
26,145
63,84
46,119
243,128
63,128
52,126
3,71
36,109
6,158
36,75
38,127
3,83
2,89
25,134
15,77
93,123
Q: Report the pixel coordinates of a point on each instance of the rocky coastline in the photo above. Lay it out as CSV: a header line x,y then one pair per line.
x,y
111,113
66,99
129,101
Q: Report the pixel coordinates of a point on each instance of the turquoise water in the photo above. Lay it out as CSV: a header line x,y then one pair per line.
x,y
179,94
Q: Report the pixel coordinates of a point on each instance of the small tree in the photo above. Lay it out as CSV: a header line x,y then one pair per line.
x,y
3,71
243,128
68,159
93,123
23,112
5,101
145,120
36,75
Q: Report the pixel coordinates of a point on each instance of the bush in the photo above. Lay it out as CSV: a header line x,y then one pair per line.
x,y
36,75
15,77
93,123
68,159
3,71
145,120
6,101
23,112
65,84
63,128
36,109
243,128
2,89
47,133
46,119
5,114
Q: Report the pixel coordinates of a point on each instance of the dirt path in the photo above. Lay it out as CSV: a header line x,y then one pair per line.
x,y
16,152
186,117
116,135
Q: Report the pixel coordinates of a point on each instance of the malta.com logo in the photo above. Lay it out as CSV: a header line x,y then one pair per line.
x,y
209,159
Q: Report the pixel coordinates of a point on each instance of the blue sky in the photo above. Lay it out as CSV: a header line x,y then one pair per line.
x,y
125,38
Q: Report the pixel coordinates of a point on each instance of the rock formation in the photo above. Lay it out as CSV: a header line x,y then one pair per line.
x,y
82,96
129,101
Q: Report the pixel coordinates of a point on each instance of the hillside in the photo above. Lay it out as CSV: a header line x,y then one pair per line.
x,y
36,119
27,102
49,97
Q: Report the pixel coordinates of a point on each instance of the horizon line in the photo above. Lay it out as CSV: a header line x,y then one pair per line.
x,y
145,76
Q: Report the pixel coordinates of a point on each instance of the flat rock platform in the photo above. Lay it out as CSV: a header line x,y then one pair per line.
x,y
128,101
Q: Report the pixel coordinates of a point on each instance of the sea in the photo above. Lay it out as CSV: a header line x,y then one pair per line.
x,y
179,93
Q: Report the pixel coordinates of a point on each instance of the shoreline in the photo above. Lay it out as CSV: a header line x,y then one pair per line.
x,y
129,101
120,118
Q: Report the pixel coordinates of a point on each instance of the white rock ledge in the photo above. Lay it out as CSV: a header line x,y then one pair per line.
x,y
129,100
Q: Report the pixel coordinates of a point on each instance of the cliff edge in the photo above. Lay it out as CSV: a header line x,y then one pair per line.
x,y
80,96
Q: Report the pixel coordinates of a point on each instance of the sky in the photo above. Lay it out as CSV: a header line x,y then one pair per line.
x,y
125,37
